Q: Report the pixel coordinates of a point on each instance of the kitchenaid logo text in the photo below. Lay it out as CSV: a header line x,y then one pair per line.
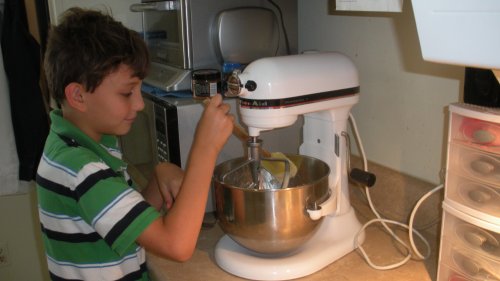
x,y
295,101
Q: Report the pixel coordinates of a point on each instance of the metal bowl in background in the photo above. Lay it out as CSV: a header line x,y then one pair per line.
x,y
272,221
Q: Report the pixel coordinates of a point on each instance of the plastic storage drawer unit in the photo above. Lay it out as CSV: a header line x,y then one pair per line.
x,y
470,233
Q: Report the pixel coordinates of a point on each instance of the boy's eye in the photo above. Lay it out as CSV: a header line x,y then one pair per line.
x,y
127,94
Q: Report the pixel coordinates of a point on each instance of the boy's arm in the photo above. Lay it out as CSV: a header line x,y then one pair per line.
x,y
175,234
163,186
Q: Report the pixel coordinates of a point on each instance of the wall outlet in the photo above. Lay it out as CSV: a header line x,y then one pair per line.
x,y
4,255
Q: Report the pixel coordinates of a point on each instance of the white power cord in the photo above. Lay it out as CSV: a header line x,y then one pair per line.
x,y
384,222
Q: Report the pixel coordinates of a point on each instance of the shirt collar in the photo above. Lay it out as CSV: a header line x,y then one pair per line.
x,y
65,128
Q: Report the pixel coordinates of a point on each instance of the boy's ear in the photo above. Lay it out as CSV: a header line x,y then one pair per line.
x,y
74,96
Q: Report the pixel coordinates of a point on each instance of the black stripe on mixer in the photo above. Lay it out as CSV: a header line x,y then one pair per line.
x,y
299,100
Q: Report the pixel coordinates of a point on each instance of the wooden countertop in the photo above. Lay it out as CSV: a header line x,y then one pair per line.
x,y
351,267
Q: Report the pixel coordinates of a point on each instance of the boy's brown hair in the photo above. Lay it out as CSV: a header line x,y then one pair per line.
x,y
88,45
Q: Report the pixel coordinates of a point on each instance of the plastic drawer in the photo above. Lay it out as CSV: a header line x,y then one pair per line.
x,y
477,133
472,235
475,126
445,273
478,165
469,264
480,197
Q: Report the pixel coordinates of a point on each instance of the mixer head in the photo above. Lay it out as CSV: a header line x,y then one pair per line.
x,y
274,91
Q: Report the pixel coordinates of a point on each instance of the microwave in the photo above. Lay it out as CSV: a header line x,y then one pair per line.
x,y
164,130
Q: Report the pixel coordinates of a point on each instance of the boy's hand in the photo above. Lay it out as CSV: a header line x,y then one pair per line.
x,y
164,185
215,125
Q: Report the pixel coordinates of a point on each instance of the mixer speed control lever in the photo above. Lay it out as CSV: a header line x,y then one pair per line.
x,y
362,177
250,85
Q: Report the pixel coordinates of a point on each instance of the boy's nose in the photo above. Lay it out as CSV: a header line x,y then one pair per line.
x,y
138,103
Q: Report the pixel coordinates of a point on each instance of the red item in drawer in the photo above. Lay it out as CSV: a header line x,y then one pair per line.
x,y
481,132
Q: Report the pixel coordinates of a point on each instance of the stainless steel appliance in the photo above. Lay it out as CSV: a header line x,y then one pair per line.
x,y
262,219
184,35
163,132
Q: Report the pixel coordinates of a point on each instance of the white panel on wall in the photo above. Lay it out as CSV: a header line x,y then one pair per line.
x,y
460,32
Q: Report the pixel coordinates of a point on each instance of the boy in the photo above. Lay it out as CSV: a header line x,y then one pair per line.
x,y
95,225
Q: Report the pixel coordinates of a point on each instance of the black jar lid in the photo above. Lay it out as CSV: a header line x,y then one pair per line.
x,y
206,74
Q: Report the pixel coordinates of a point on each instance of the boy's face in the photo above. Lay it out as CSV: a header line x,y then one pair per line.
x,y
113,106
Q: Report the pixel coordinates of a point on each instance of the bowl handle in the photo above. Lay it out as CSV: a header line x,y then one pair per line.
x,y
323,209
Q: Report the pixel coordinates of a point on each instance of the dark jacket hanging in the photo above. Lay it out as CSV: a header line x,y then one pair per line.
x,y
21,55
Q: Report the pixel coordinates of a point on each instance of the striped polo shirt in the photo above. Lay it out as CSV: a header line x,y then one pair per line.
x,y
89,210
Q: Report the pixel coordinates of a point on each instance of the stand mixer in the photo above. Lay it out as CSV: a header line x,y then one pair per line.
x,y
273,92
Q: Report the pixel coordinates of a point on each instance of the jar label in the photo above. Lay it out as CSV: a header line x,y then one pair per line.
x,y
205,89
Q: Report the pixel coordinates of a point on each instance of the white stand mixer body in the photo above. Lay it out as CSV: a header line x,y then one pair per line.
x,y
323,87
324,138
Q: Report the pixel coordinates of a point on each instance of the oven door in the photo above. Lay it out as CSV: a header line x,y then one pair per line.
x,y
166,31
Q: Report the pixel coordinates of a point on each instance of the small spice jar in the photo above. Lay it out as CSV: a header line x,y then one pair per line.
x,y
205,83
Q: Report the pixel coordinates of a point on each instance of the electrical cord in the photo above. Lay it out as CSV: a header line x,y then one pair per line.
x,y
385,222
285,34
348,160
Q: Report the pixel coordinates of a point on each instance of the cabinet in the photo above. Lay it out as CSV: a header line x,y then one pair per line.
x,y
470,233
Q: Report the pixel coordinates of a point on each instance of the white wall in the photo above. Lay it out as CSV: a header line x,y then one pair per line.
x,y
402,111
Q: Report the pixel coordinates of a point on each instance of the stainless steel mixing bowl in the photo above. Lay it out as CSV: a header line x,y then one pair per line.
x,y
271,221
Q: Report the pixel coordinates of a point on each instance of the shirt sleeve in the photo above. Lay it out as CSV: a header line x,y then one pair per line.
x,y
117,212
